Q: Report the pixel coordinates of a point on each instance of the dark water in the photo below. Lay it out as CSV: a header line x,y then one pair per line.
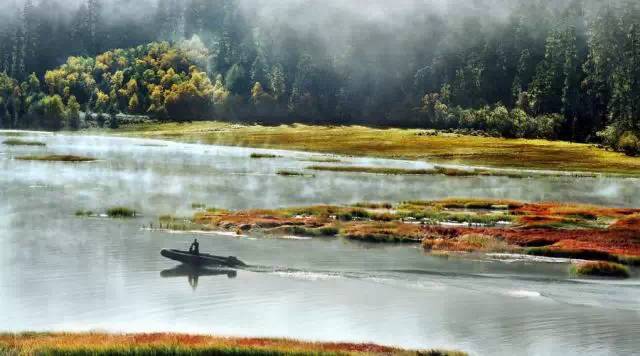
x,y
60,272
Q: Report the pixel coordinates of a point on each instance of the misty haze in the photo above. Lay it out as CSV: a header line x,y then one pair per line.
x,y
293,177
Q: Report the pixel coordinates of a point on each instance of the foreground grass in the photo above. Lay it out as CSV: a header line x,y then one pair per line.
x,y
400,144
56,158
17,142
180,344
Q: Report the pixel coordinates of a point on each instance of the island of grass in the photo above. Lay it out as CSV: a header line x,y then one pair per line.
x,y
400,144
262,155
17,142
287,173
600,269
56,158
549,229
121,212
438,170
160,344
116,212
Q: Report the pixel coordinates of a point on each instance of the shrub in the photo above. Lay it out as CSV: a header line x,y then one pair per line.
x,y
629,144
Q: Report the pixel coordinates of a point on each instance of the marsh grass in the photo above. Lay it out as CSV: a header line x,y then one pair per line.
x,y
543,229
401,144
263,155
373,170
327,231
437,170
121,212
286,173
57,158
17,142
86,213
321,160
600,269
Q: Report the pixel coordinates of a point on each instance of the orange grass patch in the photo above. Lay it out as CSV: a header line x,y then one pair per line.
x,y
33,343
562,228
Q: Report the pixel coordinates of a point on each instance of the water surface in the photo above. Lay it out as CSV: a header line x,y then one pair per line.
x,y
61,272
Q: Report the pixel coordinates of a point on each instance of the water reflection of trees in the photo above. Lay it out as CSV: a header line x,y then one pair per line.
x,y
194,273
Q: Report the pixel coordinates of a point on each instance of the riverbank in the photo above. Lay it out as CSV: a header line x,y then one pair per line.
x,y
183,344
410,144
573,231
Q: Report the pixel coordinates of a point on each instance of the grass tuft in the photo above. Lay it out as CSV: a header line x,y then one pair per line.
x,y
57,158
600,269
286,173
81,212
263,155
17,142
121,212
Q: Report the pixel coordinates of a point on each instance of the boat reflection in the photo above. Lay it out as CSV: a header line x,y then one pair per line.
x,y
193,273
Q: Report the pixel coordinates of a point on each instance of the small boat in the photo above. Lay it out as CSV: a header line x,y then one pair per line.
x,y
202,259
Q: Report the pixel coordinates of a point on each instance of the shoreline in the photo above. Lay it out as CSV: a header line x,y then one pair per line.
x,y
103,343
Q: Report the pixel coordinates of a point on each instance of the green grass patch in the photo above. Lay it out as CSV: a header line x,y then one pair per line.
x,y
600,269
353,214
368,205
373,170
311,232
263,155
57,158
121,212
81,212
17,142
321,160
198,206
286,173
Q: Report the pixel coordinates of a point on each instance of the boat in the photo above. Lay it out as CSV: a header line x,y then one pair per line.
x,y
202,259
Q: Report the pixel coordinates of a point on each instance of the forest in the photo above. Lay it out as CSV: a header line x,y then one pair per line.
x,y
549,69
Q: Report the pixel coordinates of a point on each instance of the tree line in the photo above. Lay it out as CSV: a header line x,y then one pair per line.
x,y
544,70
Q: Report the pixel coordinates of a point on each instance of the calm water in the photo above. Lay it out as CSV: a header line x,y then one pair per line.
x,y
60,272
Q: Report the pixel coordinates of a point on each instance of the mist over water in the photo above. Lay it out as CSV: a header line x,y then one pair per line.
x,y
62,272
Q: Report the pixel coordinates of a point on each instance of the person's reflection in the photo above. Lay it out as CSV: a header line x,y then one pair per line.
x,y
194,273
193,280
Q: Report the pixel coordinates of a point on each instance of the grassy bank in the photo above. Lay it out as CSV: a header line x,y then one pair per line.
x,y
96,344
401,144
467,225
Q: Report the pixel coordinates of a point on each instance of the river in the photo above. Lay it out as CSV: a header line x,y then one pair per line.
x,y
62,272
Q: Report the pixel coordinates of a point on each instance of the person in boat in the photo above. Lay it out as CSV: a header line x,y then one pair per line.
x,y
195,247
